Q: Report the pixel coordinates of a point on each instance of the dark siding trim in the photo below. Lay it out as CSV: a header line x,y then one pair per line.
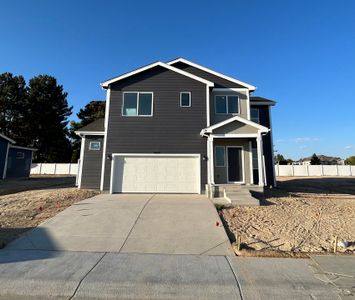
x,y
92,163
18,167
171,129
3,152
265,121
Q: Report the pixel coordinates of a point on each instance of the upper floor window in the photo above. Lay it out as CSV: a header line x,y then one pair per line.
x,y
227,104
185,99
254,115
137,104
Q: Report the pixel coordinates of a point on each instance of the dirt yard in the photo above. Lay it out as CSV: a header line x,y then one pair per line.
x,y
301,215
24,210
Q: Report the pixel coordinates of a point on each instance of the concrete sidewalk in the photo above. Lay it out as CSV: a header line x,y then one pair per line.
x,y
133,223
29,274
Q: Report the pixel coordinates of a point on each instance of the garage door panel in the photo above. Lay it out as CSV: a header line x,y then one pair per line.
x,y
156,173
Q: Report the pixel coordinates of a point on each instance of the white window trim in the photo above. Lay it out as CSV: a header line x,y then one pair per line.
x,y
215,156
227,112
257,109
92,142
243,166
132,92
181,99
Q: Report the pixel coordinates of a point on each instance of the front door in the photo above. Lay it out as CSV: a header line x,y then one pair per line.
x,y
235,164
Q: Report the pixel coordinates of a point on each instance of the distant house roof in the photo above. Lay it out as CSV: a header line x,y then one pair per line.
x,y
7,138
96,127
261,101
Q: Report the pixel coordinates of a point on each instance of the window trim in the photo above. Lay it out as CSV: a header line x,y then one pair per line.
x,y
137,115
92,142
257,109
181,99
227,100
215,156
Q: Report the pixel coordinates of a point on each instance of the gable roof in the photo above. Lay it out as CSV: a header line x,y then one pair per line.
x,y
97,126
106,83
7,138
238,119
261,101
185,61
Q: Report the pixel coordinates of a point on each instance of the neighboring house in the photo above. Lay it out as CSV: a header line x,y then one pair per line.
x,y
15,161
324,160
177,127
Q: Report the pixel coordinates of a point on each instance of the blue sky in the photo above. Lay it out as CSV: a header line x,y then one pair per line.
x,y
300,53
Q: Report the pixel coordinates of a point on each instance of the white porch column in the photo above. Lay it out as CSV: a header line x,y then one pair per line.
x,y
259,148
210,160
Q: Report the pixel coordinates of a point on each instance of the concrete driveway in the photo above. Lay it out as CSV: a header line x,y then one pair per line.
x,y
150,247
133,223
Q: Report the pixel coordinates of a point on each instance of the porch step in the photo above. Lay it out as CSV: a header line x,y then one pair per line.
x,y
218,190
243,198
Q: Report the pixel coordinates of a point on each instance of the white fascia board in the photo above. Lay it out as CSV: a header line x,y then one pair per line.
x,y
235,135
230,89
235,118
81,133
23,148
105,84
8,139
247,85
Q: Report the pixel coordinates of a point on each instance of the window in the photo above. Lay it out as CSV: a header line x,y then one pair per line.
x,y
254,152
137,104
254,115
185,99
219,156
227,104
94,145
20,155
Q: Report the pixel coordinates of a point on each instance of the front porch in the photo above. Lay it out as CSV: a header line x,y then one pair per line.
x,y
236,163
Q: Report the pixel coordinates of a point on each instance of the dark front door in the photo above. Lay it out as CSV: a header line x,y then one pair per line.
x,y
235,164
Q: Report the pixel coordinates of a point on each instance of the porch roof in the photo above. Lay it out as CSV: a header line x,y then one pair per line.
x,y
239,119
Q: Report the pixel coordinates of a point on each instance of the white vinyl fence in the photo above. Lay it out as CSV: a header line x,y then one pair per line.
x,y
314,170
54,169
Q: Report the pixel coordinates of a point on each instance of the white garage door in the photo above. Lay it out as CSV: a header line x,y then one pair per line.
x,y
155,173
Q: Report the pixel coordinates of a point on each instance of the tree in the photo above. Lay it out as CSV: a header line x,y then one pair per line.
x,y
92,111
13,106
350,161
48,119
315,159
280,159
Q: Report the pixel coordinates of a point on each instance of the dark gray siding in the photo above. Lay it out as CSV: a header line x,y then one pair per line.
x,y
218,81
265,121
92,163
18,167
3,150
171,129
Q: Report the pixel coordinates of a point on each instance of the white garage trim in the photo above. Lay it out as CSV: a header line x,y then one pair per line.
x,y
198,166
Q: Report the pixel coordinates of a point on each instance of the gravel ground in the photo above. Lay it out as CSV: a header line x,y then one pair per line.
x,y
302,214
24,210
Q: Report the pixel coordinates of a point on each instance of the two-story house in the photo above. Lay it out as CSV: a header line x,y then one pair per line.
x,y
177,127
